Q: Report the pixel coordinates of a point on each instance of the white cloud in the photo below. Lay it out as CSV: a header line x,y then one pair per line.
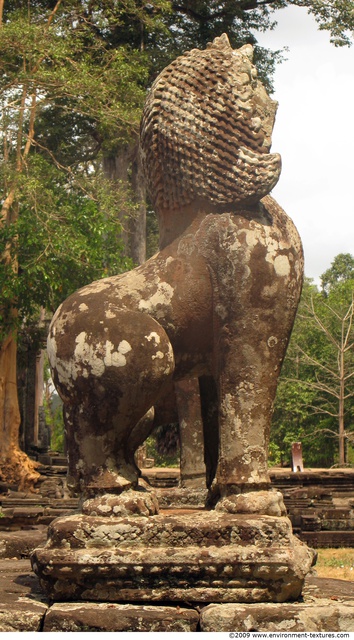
x,y
314,132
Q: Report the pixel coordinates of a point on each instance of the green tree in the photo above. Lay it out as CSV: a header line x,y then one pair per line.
x,y
292,419
315,401
340,271
56,224
333,367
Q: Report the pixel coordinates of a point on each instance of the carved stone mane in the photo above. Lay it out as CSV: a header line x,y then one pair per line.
x,y
206,130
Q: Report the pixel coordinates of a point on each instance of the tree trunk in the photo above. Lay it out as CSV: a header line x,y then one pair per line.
x,y
117,169
138,222
39,384
16,467
38,396
26,374
341,430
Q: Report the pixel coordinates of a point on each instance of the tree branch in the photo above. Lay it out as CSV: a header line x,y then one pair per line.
x,y
316,363
319,410
246,5
314,385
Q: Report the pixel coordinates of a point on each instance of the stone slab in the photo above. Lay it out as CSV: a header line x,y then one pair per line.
x,y
20,544
195,556
119,617
326,605
318,588
321,616
22,603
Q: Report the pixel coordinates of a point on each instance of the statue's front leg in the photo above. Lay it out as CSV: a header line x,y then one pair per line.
x,y
249,365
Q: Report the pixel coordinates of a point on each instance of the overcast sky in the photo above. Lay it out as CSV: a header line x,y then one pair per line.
x,y
314,133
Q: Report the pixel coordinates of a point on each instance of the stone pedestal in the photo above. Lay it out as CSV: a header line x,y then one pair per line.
x,y
191,556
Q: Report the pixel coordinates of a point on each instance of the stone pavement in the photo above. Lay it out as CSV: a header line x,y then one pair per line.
x,y
23,605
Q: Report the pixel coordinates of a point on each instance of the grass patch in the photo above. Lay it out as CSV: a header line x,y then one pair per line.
x,y
335,563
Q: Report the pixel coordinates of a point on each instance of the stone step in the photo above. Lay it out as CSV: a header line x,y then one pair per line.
x,y
337,525
20,515
53,470
327,539
38,502
336,514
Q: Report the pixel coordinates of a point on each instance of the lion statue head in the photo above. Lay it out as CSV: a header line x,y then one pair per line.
x,y
206,130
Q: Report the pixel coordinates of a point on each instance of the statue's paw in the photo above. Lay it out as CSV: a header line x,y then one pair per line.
x,y
268,503
133,502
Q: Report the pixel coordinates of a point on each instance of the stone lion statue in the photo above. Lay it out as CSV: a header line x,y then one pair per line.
x,y
217,302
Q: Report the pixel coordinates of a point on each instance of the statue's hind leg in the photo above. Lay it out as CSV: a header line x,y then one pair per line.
x,y
108,380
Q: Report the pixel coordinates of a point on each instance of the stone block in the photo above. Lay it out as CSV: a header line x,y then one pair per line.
x,y
310,523
119,617
20,544
180,497
337,525
323,615
22,616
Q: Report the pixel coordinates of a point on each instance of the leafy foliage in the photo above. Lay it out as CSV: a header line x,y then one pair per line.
x,y
340,271
62,239
62,89
163,446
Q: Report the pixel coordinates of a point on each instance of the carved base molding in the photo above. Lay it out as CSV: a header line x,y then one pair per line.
x,y
185,556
